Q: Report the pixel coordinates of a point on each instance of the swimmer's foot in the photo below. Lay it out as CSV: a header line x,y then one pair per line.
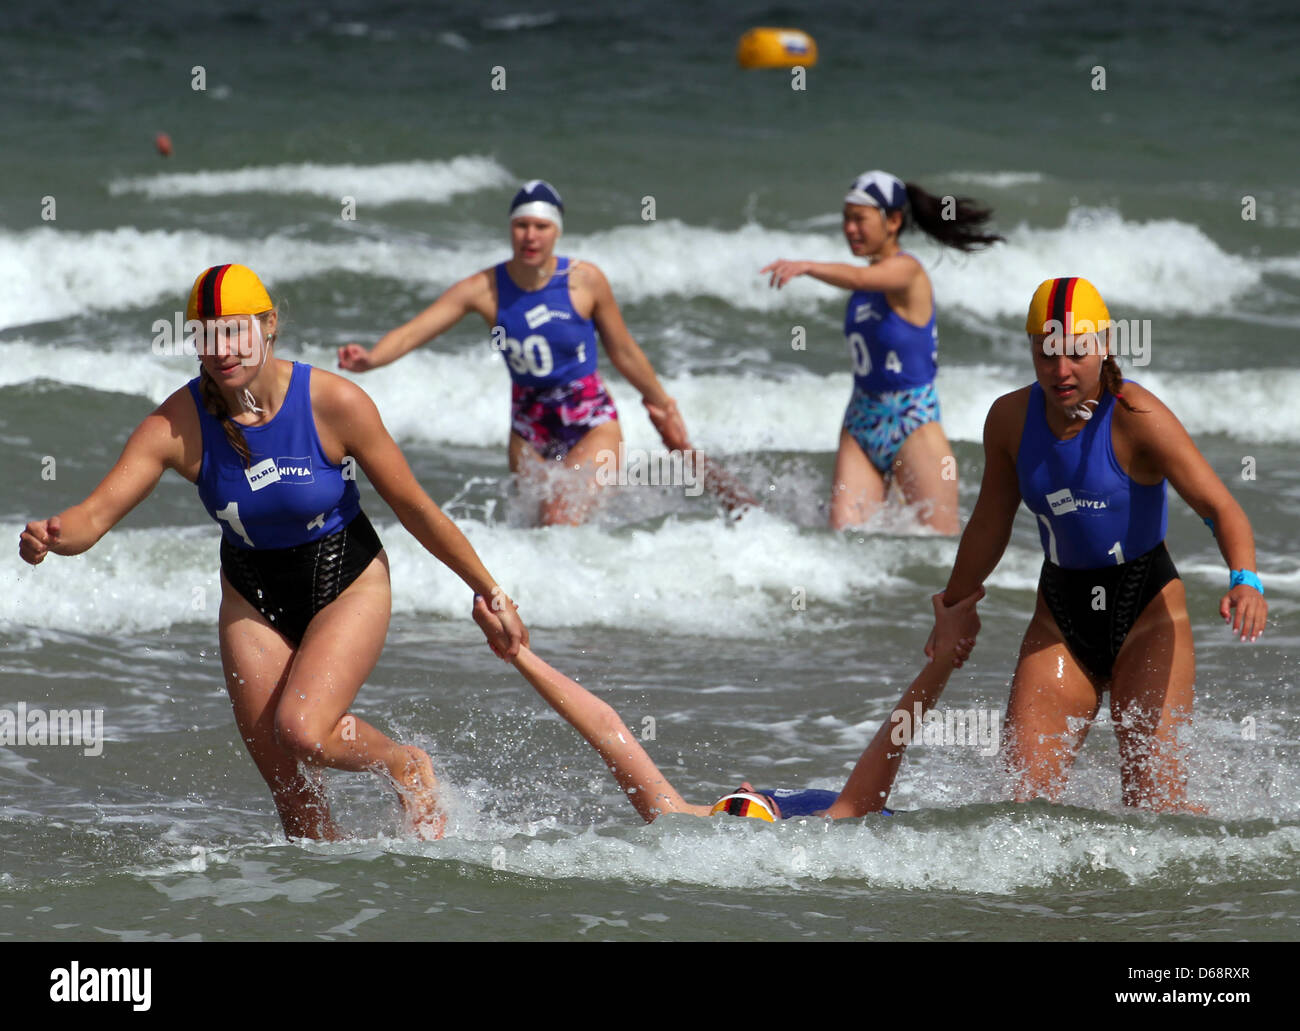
x,y
417,787
304,808
1195,808
1171,805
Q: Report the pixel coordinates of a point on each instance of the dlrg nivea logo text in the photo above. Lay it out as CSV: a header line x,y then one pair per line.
x,y
1060,501
1063,501
279,470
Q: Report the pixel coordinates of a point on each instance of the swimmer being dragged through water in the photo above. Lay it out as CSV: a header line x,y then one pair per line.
x,y
649,791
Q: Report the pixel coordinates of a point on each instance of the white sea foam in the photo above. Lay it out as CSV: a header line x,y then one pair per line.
x,y
741,579
739,582
997,852
998,180
1162,267
462,396
48,274
1143,269
424,182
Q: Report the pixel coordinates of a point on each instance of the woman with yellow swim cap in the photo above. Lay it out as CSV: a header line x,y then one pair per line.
x,y
650,793
305,595
1089,453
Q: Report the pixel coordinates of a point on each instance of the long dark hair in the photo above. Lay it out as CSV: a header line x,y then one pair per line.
x,y
964,226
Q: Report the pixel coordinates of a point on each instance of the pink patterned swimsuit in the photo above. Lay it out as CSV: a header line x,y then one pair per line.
x,y
553,419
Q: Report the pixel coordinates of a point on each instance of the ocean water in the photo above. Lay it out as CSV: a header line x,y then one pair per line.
x,y
1172,188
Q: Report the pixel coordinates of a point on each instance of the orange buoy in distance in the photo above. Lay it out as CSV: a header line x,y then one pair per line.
x,y
776,48
164,144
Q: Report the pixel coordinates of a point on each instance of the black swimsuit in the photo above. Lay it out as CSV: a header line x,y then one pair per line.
x,y
1095,635
290,585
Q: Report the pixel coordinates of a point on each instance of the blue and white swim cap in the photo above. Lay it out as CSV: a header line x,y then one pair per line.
x,y
878,189
538,199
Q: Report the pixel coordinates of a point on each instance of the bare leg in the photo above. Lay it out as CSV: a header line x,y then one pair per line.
x,y
857,489
578,493
307,719
337,654
529,468
926,472
572,489
1049,692
1151,695
256,662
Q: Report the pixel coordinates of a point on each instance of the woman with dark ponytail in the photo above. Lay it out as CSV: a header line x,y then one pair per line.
x,y
1089,453
305,597
891,428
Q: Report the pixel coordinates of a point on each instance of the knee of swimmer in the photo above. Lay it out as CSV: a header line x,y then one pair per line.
x,y
298,735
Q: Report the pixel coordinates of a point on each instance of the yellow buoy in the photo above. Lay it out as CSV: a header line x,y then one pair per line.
x,y
776,48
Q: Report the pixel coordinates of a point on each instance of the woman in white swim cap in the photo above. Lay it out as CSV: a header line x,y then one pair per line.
x,y
546,312
891,430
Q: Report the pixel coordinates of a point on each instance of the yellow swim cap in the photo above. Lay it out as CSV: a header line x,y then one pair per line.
x,y
227,290
1067,305
745,803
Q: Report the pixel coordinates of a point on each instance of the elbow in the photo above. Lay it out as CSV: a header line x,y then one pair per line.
x,y
608,727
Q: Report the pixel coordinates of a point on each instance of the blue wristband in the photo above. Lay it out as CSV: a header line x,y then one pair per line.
x,y
1247,577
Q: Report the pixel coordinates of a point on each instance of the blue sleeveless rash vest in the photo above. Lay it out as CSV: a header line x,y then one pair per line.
x,y
805,801
888,352
1090,513
546,342
290,493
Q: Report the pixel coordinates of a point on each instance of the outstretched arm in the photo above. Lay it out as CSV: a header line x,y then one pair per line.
x,y
888,276
472,294
870,782
158,443
348,423
645,786
989,530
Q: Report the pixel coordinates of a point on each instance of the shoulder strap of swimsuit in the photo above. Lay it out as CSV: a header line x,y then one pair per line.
x,y
506,288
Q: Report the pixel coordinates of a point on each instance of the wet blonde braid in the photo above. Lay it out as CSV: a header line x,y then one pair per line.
x,y
216,406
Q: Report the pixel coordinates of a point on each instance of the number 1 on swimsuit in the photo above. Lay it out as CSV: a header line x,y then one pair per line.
x,y
231,515
1051,540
